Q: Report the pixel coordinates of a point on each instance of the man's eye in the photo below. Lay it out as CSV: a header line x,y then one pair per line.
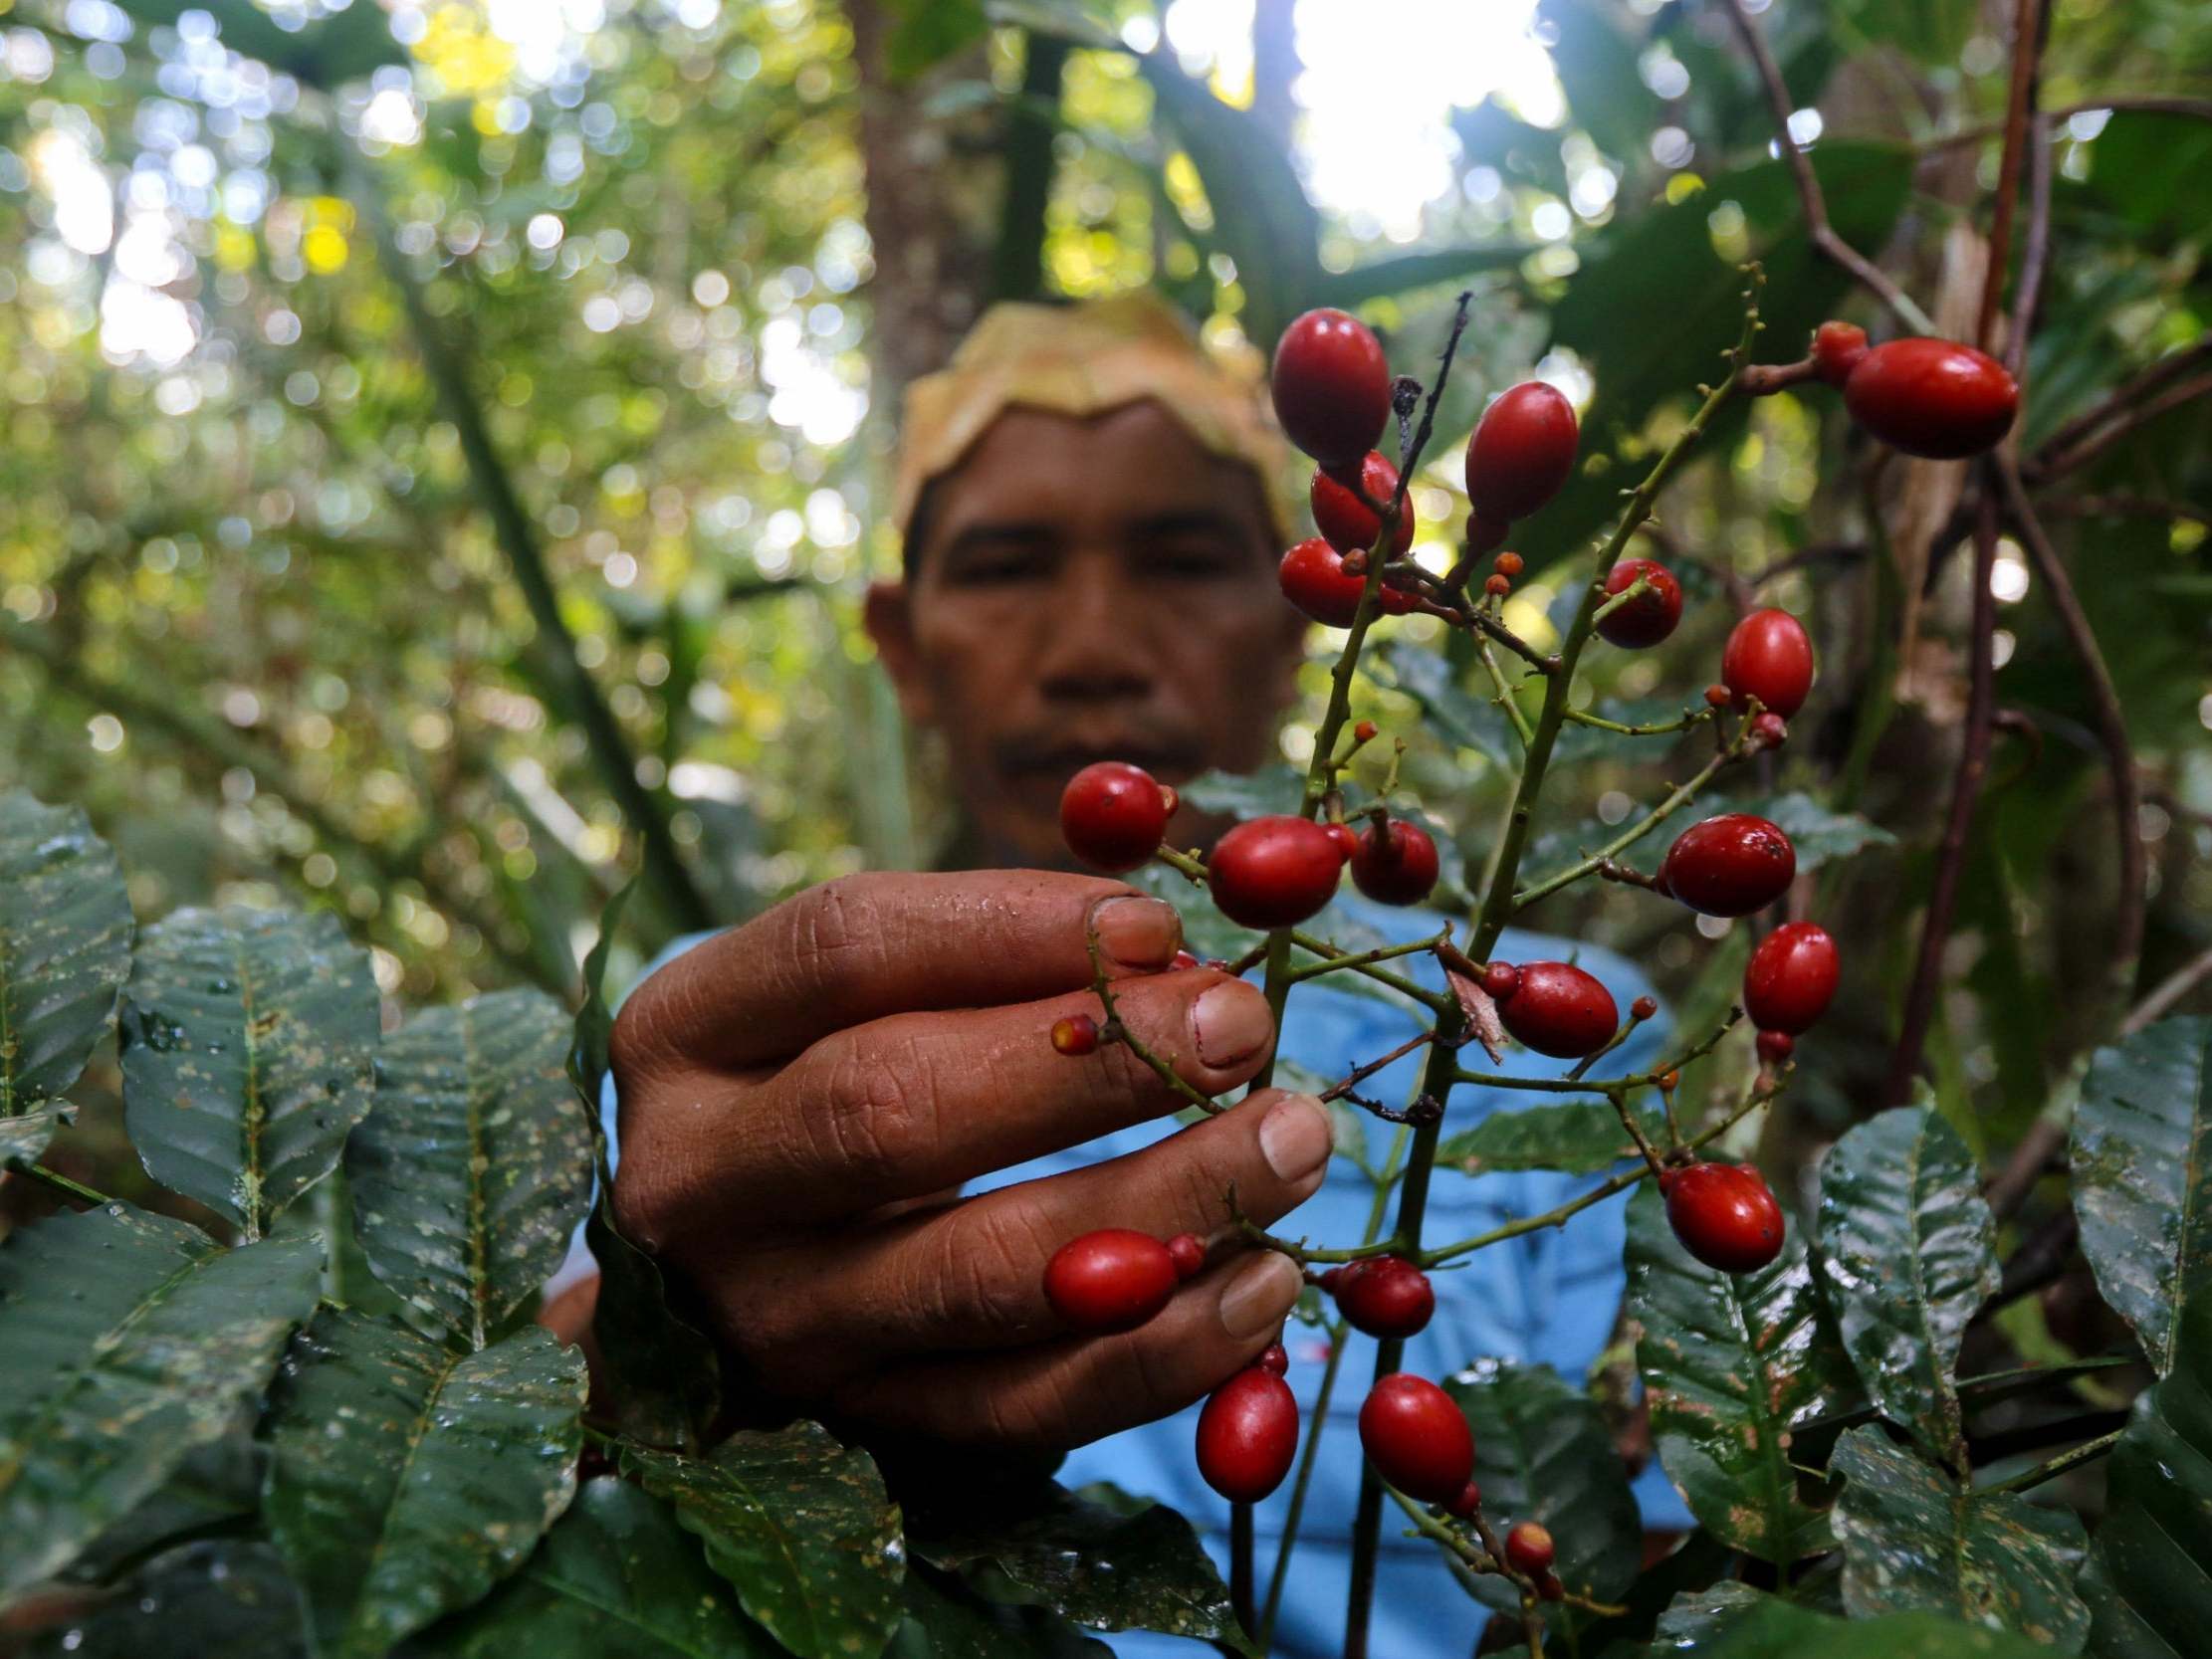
x,y
1191,560
995,569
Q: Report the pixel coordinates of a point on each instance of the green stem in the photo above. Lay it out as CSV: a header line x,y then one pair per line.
x,y
1318,946
1683,793
1366,958
57,1181
1689,718
2087,1452
1505,699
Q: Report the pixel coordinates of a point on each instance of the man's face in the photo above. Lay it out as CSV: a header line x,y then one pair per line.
x,y
1096,589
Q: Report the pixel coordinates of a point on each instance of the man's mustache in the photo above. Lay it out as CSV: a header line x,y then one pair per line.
x,y
1057,753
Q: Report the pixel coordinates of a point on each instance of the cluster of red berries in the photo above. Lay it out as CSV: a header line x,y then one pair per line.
x,y
1927,397
1332,392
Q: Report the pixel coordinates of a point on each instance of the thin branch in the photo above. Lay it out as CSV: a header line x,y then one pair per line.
x,y
2155,104
1681,794
2050,464
2026,43
1823,234
2158,374
57,1181
2168,992
2058,1465
2121,507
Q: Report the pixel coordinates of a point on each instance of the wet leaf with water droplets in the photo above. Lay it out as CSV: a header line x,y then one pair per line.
x,y
64,948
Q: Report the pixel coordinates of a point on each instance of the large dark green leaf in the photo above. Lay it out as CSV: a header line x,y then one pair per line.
x,y
801,1526
1907,1253
1777,1630
475,1166
247,1042
2150,1577
1453,712
1271,790
2142,1176
1542,1452
1696,1619
225,1596
64,948
1578,1136
1914,1540
406,1480
355,41
930,31
942,1621
1732,1365
616,1574
25,1136
125,1340
1595,63
1088,1561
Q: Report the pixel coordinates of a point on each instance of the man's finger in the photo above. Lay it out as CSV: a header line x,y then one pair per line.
x,y
1061,1394
909,1104
867,946
971,1275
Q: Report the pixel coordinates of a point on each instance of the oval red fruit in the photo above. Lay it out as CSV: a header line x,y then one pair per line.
x,y
1469,1501
1725,1215
1932,398
1112,1280
1075,1035
1416,1438
1343,518
1274,872
1651,616
1112,815
1247,1435
1529,1549
1521,452
1395,866
1313,578
1791,977
1838,348
1729,865
1768,657
1187,1252
1386,1296
1769,729
1331,386
1559,1010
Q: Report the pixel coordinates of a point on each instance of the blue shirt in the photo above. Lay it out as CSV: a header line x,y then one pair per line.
x,y
1550,1297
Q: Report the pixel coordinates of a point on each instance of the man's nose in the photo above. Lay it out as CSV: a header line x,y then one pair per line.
x,y
1093,643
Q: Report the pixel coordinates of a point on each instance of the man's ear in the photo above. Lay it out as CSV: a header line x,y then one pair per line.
x,y
887,613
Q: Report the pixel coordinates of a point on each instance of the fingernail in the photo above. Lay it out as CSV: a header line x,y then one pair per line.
x,y
1260,1295
1230,1025
1295,1136
1137,932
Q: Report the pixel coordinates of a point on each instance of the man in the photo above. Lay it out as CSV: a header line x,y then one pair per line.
x,y
1090,551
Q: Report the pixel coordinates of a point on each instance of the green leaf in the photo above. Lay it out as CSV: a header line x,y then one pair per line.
x,y
1696,1619
344,46
930,31
2149,1576
1777,1630
1907,1258
26,1134
221,1597
1453,712
1913,1540
1732,1366
945,1623
64,948
1382,278
1578,1138
1268,791
661,1374
1089,1562
616,1574
1542,1452
799,1524
2142,1177
125,1340
406,1480
247,1043
1820,835
475,1166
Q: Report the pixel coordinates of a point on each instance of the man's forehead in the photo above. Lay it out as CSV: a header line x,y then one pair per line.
x,y
1134,462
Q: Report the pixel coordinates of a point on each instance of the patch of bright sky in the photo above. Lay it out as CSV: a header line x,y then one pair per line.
x,y
1379,85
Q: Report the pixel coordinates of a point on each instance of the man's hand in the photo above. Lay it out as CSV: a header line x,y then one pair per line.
x,y
800,1094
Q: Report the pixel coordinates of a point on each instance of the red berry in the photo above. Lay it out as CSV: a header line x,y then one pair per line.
x,y
1933,398
1333,1277
1671,1080
1075,1035
1522,450
1416,1438
1187,1253
1313,578
1386,1296
1182,959
1769,729
1112,1280
1347,838
1718,697
1507,564
1343,518
1652,615
1275,1360
1729,865
1529,1549
1643,1008
1769,658
1725,1216
1551,1588
1498,585
1247,1435
1469,1501
1500,981
1837,351
1560,1010
1112,815
1396,864
1791,977
1274,872
1775,1046
1363,733
1331,386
